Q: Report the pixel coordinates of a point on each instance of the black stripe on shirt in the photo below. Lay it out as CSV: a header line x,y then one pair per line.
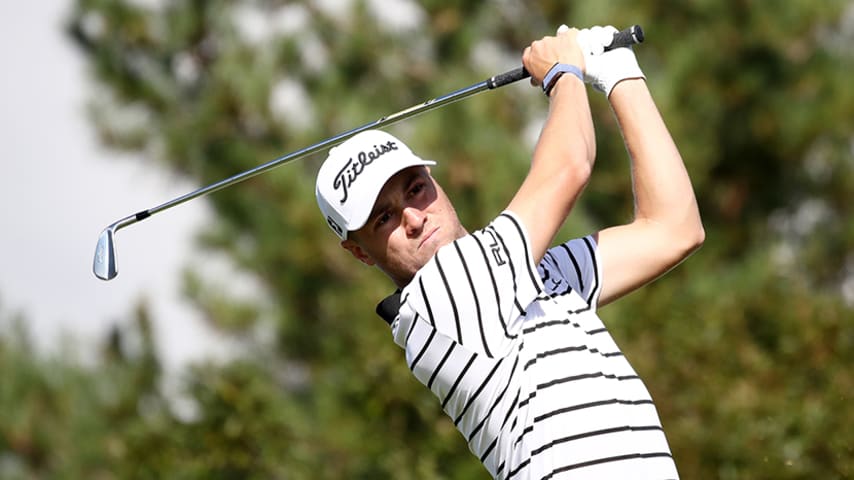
x,y
423,349
491,446
412,326
518,469
549,259
575,265
450,299
607,354
478,391
531,273
599,461
582,406
426,301
601,403
519,306
476,299
595,288
494,404
589,463
488,450
585,376
552,323
594,433
457,381
549,263
512,428
494,286
533,394
557,351
500,469
441,363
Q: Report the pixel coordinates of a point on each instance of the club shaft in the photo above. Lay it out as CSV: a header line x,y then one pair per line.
x,y
624,38
322,145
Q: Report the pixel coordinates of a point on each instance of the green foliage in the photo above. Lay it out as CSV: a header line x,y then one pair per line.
x,y
746,346
63,420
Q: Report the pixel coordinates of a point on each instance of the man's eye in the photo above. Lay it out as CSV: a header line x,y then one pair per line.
x,y
382,219
416,189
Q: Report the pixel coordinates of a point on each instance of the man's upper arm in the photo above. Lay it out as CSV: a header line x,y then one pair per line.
x,y
635,254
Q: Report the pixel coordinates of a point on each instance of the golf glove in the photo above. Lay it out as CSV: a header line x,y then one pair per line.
x,y
604,69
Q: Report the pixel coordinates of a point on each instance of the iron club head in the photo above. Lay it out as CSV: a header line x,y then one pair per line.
x,y
104,264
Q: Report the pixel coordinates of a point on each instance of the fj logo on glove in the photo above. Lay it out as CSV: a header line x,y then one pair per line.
x,y
354,167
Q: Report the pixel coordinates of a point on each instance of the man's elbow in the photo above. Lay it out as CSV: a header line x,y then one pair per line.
x,y
677,244
575,173
566,179
580,173
691,238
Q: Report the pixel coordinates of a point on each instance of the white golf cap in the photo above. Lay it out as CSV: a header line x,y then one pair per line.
x,y
353,174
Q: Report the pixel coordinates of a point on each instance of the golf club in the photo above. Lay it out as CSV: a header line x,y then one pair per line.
x,y
105,266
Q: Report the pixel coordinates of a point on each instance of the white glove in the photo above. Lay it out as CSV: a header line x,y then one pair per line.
x,y
604,70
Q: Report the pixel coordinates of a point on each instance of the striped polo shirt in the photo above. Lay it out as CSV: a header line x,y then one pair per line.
x,y
521,363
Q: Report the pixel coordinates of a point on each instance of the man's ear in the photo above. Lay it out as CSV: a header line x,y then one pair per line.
x,y
356,250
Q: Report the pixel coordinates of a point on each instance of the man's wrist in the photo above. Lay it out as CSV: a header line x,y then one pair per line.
x,y
625,84
557,71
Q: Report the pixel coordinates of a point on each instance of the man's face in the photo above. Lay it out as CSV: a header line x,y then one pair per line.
x,y
411,219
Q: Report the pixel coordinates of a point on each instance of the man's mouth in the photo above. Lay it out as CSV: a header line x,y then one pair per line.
x,y
427,237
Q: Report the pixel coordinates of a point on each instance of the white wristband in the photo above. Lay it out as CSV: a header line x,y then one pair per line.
x,y
557,70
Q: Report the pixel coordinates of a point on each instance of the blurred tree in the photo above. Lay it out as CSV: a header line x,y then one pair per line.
x,y
746,347
60,419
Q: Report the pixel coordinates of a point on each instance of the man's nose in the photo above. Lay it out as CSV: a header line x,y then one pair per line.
x,y
414,220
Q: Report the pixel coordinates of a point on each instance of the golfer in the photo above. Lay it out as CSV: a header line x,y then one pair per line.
x,y
499,326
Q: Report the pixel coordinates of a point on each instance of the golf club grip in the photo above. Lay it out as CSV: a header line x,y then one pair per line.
x,y
624,38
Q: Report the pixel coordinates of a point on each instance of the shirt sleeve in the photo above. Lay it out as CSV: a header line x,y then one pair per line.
x,y
576,263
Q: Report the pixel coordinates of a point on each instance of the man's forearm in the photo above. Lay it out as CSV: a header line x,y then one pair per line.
x,y
662,189
560,166
568,132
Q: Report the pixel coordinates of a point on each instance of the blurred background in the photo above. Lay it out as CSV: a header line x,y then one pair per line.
x,y
239,340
